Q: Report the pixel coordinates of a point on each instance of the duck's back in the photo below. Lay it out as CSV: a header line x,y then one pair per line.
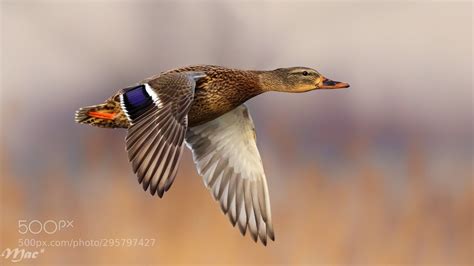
x,y
222,90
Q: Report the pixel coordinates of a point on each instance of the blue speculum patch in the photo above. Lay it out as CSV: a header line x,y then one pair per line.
x,y
136,101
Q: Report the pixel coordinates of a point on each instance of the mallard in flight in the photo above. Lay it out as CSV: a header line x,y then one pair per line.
x,y
204,107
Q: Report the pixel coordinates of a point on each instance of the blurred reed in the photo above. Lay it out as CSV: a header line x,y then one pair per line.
x,y
359,219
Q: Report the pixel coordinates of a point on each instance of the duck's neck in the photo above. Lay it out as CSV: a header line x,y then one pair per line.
x,y
270,81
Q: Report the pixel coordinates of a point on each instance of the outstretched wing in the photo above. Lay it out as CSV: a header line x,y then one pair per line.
x,y
158,112
226,156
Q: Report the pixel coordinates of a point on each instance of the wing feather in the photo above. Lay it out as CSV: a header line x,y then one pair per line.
x,y
227,158
157,111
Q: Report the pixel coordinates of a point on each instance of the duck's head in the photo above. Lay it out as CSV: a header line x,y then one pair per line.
x,y
297,79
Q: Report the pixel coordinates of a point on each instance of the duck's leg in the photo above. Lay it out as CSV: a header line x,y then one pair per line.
x,y
107,115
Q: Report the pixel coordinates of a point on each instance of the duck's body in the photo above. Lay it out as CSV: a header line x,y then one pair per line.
x,y
221,90
204,106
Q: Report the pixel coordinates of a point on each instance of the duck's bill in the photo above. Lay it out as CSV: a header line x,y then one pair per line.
x,y
331,84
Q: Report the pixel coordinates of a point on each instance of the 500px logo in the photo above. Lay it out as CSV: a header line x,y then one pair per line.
x,y
49,226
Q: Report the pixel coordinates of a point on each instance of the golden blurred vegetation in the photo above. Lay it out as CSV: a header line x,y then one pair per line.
x,y
410,69
360,219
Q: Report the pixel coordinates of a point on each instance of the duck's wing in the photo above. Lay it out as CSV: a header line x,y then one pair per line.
x,y
226,156
157,111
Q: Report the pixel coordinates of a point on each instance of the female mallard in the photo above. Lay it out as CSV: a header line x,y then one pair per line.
x,y
204,106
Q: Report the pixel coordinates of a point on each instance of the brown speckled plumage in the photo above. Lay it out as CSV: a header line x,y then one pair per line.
x,y
111,105
220,91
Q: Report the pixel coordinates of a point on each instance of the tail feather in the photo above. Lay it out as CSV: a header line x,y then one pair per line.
x,y
107,115
82,115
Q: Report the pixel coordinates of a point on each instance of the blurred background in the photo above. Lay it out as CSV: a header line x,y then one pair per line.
x,y
380,173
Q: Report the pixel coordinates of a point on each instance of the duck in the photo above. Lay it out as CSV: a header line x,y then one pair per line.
x,y
203,107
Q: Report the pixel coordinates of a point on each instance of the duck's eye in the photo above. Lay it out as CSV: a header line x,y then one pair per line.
x,y
305,73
